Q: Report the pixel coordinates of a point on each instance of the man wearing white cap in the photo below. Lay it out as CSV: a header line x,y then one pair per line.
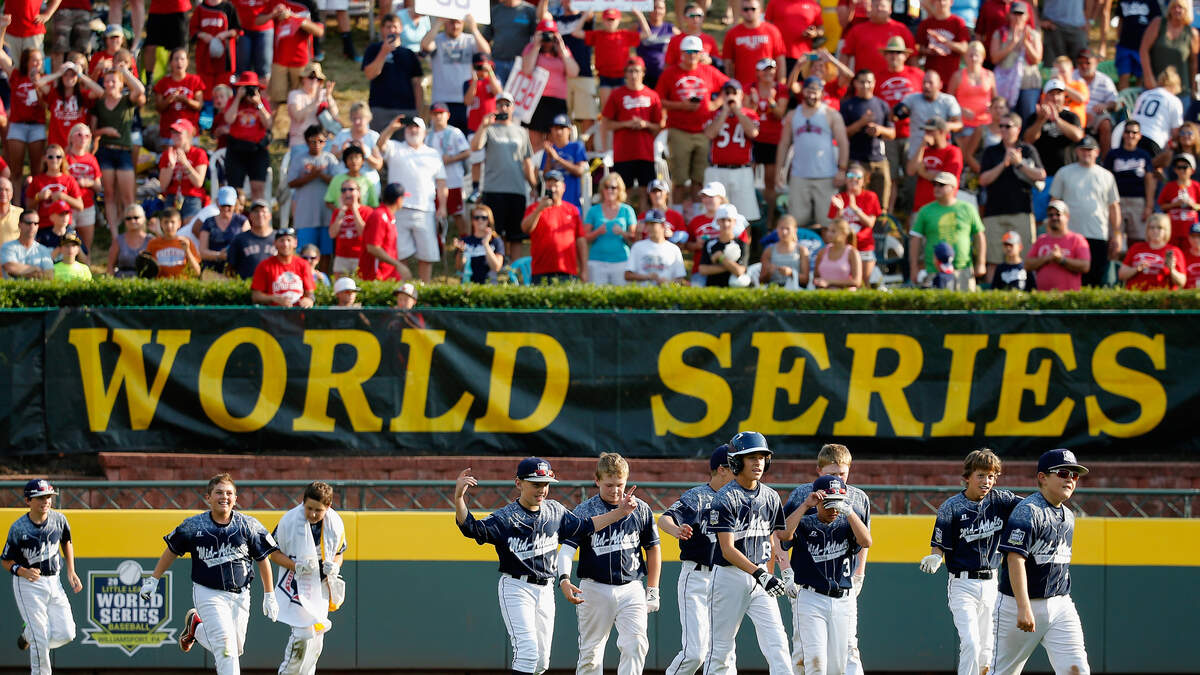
x,y
419,169
686,88
954,222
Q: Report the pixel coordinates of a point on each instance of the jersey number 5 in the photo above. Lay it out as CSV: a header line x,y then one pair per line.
x,y
739,136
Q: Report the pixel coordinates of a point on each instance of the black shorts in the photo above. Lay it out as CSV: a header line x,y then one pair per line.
x,y
763,153
509,211
635,171
612,82
548,108
169,31
245,160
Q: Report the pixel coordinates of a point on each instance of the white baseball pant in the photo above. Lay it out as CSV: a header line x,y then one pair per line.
x,y
736,594
222,631
603,606
303,648
695,597
528,612
821,633
853,662
1056,627
47,616
973,605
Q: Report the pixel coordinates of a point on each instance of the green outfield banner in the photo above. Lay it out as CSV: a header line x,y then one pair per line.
x,y
569,383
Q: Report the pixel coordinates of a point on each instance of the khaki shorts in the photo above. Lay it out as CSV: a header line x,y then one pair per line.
x,y
581,98
1132,223
808,200
16,45
344,267
283,80
739,185
689,156
994,228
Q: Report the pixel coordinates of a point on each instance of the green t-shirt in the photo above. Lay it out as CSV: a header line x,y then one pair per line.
x,y
119,118
954,224
367,193
75,271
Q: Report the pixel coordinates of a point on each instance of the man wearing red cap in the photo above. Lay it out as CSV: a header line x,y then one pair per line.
x,y
749,42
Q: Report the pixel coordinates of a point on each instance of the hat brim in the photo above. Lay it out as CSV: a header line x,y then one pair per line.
x,y
1082,470
42,493
540,479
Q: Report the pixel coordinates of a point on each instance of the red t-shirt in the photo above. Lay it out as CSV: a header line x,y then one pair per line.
x,y
868,203
179,182
483,105
676,84
864,41
190,86
293,45
672,56
23,13
27,104
247,13
625,104
611,49
246,125
170,6
63,182
1052,276
64,114
770,127
731,147
1181,219
893,87
747,46
949,159
1192,265
380,231
993,15
84,166
552,241
938,56
210,20
348,243
1156,275
792,18
289,280
833,93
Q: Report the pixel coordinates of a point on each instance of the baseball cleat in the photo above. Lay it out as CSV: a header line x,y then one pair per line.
x,y
187,639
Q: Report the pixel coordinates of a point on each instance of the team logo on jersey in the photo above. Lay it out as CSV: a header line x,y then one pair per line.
x,y
983,529
1017,537
831,550
525,548
119,617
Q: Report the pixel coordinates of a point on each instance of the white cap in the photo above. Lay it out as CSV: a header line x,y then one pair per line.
x,y
1052,84
416,122
345,284
726,211
713,189
691,43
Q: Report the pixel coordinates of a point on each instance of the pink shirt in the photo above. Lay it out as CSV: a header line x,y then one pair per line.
x,y
1053,276
556,86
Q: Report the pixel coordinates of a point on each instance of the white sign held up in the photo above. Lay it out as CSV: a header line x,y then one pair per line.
x,y
481,10
526,90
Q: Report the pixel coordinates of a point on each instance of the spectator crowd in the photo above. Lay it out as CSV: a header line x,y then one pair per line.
x,y
958,144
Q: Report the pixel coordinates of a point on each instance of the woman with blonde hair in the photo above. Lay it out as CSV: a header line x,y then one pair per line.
x,y
974,87
127,246
481,255
612,224
785,263
838,264
1170,41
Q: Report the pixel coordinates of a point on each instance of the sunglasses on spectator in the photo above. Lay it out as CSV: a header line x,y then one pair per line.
x,y
853,174
1065,474
1181,167
350,189
1006,126
504,103
479,216
611,187
134,217
695,15
54,156
311,258
749,9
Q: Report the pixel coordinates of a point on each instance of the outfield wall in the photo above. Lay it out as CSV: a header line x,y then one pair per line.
x,y
422,596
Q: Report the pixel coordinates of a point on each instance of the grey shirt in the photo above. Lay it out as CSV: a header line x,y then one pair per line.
x,y
505,153
451,65
922,109
1088,193
1064,12
309,199
511,29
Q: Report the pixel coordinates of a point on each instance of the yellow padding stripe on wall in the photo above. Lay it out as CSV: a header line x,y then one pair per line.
x,y
433,536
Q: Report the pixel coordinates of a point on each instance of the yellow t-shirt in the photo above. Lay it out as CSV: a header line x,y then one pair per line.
x,y
10,224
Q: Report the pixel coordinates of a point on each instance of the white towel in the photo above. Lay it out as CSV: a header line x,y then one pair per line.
x,y
307,604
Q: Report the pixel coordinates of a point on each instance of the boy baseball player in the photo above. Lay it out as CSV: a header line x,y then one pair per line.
x,y
687,521
827,538
1035,585
610,566
967,533
526,534
744,515
311,533
32,555
834,460
223,543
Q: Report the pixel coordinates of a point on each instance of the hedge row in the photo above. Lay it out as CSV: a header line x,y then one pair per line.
x,y
107,292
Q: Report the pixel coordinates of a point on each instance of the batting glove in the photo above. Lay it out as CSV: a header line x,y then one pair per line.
x,y
789,582
931,563
149,585
305,567
652,600
841,506
330,568
772,585
270,607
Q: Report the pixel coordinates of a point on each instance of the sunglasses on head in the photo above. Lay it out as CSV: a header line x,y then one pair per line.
x,y
1065,474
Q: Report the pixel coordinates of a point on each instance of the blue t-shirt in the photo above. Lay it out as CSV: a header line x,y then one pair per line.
x,y
610,247
393,87
527,541
692,509
36,546
614,555
1129,168
1043,534
573,152
752,515
223,556
247,250
823,553
864,147
969,532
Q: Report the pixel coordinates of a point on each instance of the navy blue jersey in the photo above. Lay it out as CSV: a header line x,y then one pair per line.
x,y
614,555
36,546
223,556
751,515
1043,534
823,553
692,509
969,531
527,541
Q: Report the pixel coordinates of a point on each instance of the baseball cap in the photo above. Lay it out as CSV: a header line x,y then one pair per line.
x,y
536,470
833,487
406,289
763,64
732,84
39,487
71,238
479,58
1011,237
285,232
1187,157
1019,8
655,216
114,29
691,43
726,211
945,178
611,13
1054,84
935,123
226,196
415,122
814,81
58,207
505,96
439,107
1058,205
553,174
719,457
547,25
658,184
713,189
1089,143
636,61
1085,53
183,126
392,192
313,69
944,252
260,204
1060,458
344,284
561,120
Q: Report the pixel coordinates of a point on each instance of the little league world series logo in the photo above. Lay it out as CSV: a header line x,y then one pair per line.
x,y
120,617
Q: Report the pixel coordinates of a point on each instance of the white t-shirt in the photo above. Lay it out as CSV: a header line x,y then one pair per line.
x,y
664,260
450,141
417,169
451,65
1159,111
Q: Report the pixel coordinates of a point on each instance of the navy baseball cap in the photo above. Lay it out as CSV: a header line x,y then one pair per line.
x,y
814,81
553,174
536,470
732,84
1195,228
561,120
943,252
655,216
39,487
719,457
392,192
1060,458
833,487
